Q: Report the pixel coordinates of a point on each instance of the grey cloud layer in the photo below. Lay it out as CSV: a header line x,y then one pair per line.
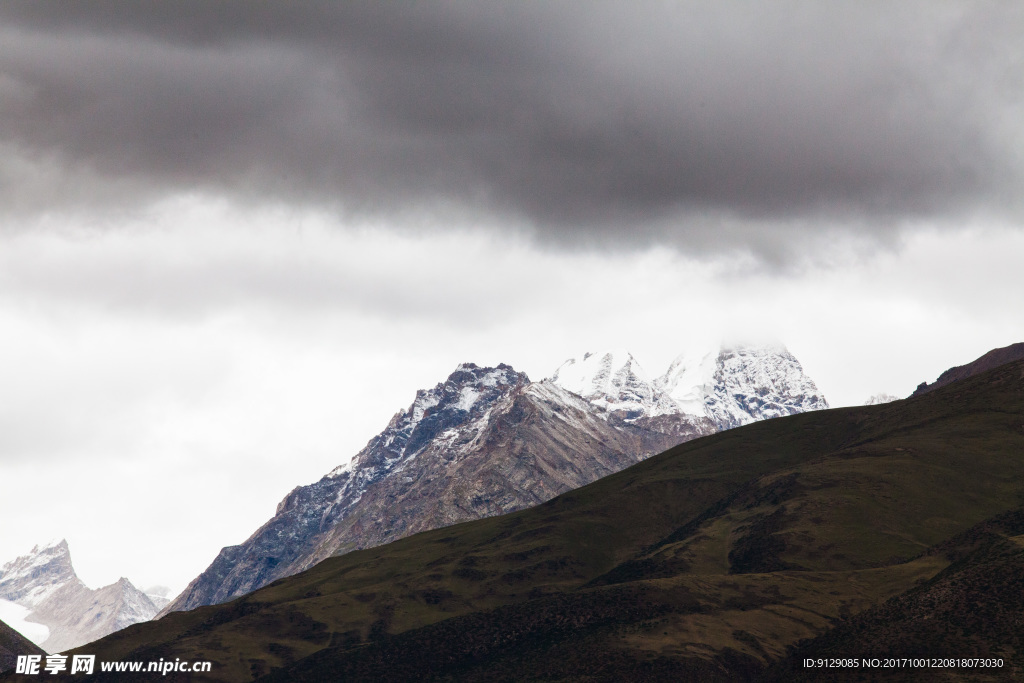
x,y
586,119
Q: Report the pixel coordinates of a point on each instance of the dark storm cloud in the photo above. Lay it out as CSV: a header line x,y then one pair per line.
x,y
586,119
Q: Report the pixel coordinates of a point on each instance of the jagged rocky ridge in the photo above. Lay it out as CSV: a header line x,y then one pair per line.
x,y
44,583
487,441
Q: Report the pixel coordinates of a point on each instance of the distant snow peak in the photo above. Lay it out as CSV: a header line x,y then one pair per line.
x,y
158,595
57,544
731,385
50,549
689,379
612,380
758,383
878,399
31,578
44,583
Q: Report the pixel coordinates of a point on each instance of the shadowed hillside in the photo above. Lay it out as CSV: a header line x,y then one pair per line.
x,y
712,560
973,608
13,644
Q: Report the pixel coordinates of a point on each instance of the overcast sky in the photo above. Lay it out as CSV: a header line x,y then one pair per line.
x,y
235,238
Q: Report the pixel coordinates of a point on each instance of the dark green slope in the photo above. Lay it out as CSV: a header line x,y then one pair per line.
x,y
13,644
972,609
709,560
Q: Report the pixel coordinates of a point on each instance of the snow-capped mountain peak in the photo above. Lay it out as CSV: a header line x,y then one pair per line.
x,y
731,386
466,395
593,374
688,380
612,380
486,441
757,383
41,588
30,579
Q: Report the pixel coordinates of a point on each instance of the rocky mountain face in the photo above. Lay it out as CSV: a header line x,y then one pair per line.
x,y
487,441
61,611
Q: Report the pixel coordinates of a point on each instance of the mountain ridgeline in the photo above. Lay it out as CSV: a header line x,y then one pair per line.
x,y
61,610
488,441
992,359
889,530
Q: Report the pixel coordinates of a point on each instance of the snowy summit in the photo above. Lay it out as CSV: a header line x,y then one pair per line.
x,y
731,386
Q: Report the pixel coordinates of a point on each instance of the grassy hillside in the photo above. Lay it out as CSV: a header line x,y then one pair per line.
x,y
713,559
973,608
